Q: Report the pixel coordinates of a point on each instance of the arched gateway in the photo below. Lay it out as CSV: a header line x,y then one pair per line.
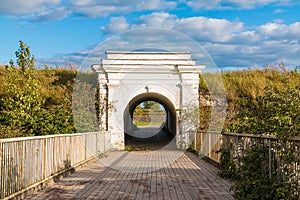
x,y
128,78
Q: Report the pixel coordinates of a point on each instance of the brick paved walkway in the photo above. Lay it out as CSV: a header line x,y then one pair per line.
x,y
162,174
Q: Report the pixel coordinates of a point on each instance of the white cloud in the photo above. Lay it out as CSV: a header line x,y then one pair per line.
x,y
208,29
96,8
277,30
268,43
45,9
198,4
115,25
136,39
248,4
100,8
246,48
21,7
200,28
155,4
234,4
55,14
157,19
246,37
230,42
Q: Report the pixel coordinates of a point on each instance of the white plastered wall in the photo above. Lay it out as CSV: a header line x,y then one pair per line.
x,y
173,75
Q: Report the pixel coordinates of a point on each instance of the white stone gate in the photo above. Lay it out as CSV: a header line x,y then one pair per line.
x,y
127,79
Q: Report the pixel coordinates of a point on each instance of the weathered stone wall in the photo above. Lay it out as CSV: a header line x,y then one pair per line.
x,y
212,111
215,100
149,117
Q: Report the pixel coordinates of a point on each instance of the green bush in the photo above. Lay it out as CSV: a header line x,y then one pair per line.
x,y
252,177
253,181
243,88
276,112
227,165
23,108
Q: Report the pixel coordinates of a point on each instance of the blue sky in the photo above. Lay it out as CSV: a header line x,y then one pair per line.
x,y
235,33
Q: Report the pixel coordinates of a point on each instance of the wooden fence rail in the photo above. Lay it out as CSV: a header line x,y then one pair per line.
x,y
275,154
282,158
208,143
28,162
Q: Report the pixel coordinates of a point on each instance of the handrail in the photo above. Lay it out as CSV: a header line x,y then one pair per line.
x,y
296,138
2,140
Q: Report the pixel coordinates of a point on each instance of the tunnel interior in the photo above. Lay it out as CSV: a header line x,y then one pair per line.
x,y
149,137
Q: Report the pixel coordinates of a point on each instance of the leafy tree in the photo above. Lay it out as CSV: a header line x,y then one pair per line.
x,y
139,110
23,110
23,101
85,106
153,105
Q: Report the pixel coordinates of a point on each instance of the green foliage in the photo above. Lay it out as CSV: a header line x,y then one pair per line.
x,y
129,148
193,149
202,85
59,119
23,102
134,148
261,171
227,165
243,89
98,105
55,84
84,107
144,110
139,123
7,131
23,107
253,181
276,113
264,102
139,110
149,106
249,90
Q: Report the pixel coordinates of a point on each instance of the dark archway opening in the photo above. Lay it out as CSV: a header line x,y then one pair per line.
x,y
158,126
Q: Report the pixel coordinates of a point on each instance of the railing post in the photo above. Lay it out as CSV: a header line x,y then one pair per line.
x,y
195,140
1,172
97,149
44,158
270,159
85,148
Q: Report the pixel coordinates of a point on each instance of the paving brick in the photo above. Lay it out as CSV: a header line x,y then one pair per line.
x,y
142,175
